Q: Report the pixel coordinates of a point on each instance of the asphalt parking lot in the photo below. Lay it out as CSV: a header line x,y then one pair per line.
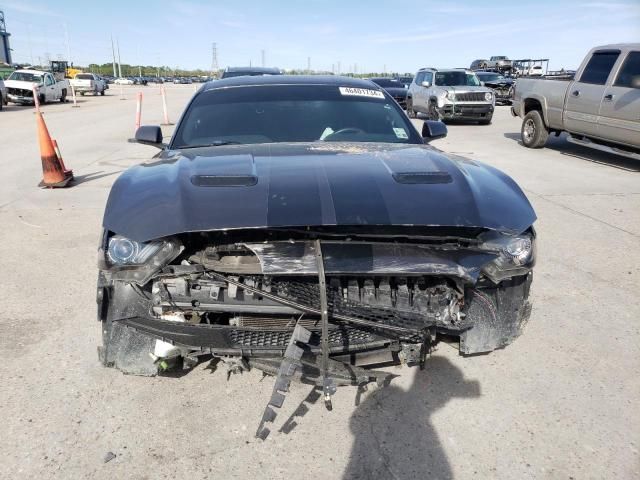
x,y
561,402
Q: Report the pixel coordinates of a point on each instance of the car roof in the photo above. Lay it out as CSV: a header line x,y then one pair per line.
x,y
291,80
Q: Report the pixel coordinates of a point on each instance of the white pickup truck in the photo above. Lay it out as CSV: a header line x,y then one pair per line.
x,y
599,108
21,82
88,83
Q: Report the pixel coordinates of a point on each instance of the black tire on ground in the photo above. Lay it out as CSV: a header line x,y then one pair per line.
x,y
1,102
534,133
486,120
42,99
102,92
82,93
410,111
433,112
63,98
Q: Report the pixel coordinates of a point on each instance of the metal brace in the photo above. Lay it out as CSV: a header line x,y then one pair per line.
x,y
290,363
328,385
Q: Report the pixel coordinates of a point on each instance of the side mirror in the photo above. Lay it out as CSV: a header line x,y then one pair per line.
x,y
426,84
432,130
149,135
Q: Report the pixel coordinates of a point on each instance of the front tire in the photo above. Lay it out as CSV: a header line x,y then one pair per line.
x,y
411,113
433,111
534,133
63,97
486,120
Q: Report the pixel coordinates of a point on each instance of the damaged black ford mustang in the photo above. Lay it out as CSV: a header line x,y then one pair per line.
x,y
303,226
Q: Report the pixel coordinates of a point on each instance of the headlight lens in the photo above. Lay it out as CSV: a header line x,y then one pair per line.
x,y
131,261
488,96
122,251
519,250
516,256
451,95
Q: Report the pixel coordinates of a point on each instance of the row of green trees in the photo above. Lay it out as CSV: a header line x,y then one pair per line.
x,y
164,71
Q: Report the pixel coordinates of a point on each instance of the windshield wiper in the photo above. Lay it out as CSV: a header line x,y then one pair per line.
x,y
212,144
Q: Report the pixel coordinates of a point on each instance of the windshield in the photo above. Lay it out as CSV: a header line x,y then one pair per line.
x,y
84,76
454,79
26,76
292,113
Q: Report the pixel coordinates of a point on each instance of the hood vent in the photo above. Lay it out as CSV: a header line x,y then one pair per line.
x,y
418,178
224,180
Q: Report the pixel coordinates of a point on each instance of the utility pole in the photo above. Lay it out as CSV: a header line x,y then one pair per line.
x,y
119,61
113,54
214,60
308,64
263,60
338,68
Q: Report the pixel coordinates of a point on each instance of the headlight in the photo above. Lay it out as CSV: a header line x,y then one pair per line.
x,y
122,251
488,96
451,95
516,256
128,260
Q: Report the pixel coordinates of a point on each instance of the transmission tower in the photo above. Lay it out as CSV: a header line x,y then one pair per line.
x,y
214,60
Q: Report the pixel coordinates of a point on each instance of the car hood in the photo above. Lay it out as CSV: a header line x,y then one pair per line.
x,y
464,89
311,184
21,84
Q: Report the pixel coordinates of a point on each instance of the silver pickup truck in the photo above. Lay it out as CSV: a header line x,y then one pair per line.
x,y
599,108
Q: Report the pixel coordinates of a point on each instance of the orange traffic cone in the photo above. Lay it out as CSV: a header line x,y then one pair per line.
x,y
53,171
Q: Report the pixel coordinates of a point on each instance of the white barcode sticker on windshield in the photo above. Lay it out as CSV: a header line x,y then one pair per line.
x,y
400,133
361,92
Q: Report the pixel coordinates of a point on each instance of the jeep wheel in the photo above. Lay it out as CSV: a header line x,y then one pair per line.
x,y
42,99
63,97
102,92
486,120
534,133
433,111
410,111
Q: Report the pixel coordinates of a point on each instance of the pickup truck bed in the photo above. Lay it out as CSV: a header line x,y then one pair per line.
x,y
599,109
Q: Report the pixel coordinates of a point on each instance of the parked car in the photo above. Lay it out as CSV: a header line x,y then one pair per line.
x,y
249,71
123,81
502,86
598,109
337,232
393,87
406,80
535,71
445,94
500,63
480,64
4,95
48,87
88,83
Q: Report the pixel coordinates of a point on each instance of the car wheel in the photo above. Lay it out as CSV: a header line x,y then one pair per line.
x,y
486,120
63,97
433,111
1,102
102,92
534,133
411,113
42,99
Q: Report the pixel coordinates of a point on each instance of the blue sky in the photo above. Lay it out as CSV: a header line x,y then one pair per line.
x,y
400,35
